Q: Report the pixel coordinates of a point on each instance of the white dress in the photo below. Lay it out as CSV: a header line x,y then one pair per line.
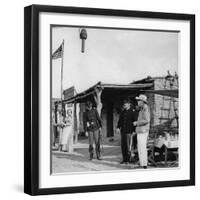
x,y
67,135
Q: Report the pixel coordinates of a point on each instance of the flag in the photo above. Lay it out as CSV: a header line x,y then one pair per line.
x,y
58,53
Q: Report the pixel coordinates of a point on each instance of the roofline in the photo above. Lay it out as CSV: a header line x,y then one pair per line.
x,y
148,78
165,92
91,90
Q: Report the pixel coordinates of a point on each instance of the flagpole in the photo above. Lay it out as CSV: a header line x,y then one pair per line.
x,y
62,72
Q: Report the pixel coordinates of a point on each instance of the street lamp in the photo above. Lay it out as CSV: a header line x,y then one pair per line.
x,y
83,37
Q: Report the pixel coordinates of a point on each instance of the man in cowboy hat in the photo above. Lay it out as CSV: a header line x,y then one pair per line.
x,y
142,129
126,128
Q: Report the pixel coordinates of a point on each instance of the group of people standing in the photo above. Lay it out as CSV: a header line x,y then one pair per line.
x,y
133,126
63,127
134,123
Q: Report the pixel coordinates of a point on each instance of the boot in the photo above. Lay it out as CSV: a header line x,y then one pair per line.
x,y
98,153
91,152
91,156
99,156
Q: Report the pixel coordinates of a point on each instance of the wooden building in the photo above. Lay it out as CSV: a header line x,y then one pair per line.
x,y
109,100
163,101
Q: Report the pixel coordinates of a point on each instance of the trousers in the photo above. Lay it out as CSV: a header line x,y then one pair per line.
x,y
94,137
142,148
126,143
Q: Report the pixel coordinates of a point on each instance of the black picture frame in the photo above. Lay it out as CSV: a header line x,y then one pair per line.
x,y
31,98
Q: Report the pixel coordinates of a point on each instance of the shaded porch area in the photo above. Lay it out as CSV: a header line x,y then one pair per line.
x,y
78,161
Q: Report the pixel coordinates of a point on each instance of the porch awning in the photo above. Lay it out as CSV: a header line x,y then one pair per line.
x,y
170,93
108,87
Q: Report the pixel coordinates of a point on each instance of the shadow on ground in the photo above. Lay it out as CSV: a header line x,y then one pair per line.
x,y
78,160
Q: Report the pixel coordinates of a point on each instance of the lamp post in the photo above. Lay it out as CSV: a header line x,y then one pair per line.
x,y
83,37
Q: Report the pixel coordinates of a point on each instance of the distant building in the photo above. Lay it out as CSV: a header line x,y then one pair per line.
x,y
53,101
69,92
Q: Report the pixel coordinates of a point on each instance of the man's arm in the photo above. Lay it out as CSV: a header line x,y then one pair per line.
x,y
119,124
134,118
146,118
85,121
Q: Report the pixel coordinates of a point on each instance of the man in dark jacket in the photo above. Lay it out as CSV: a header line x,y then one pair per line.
x,y
126,128
93,126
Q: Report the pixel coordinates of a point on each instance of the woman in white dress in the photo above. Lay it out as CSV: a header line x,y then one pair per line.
x,y
59,126
66,139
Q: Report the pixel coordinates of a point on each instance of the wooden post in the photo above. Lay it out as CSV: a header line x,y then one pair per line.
x,y
110,132
56,120
75,125
97,98
62,61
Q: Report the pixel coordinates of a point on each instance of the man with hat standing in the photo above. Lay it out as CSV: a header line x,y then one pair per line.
x,y
126,128
142,129
93,126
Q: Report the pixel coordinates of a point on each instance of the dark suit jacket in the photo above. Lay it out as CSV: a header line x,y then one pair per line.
x,y
126,119
92,120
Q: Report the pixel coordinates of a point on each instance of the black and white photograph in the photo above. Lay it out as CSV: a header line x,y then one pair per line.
x,y
114,99
109,100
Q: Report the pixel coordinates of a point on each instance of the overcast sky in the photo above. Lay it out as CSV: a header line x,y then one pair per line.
x,y
112,56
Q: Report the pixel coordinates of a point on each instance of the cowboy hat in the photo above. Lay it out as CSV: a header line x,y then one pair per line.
x,y
142,97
